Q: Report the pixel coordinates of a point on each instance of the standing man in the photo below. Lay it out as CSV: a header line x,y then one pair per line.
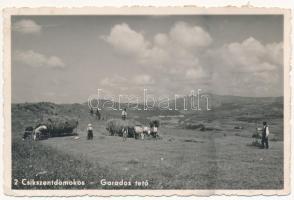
x,y
155,131
124,114
265,134
98,115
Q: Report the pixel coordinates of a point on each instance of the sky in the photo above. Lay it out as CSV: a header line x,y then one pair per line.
x,y
66,59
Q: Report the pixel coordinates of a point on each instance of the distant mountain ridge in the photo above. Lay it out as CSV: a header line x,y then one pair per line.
x,y
214,101
221,104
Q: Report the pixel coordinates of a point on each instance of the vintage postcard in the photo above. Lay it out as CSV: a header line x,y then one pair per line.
x,y
146,101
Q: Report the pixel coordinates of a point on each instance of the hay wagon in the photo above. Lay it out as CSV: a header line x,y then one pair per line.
x,y
56,127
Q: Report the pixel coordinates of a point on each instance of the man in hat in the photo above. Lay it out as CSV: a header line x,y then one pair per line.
x,y
90,132
264,137
124,114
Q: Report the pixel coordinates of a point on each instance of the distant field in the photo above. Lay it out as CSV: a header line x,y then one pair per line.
x,y
183,159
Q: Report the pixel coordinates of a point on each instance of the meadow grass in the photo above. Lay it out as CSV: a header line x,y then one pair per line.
x,y
32,160
182,159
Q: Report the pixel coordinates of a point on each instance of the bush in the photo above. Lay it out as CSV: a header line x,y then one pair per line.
x,y
194,126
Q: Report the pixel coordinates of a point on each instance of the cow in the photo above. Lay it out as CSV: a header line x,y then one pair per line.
x,y
135,131
141,132
146,130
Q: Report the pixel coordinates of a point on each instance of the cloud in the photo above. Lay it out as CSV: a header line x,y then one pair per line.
x,y
127,41
168,52
126,85
143,79
38,60
161,40
118,80
195,73
275,52
248,56
247,68
27,26
189,36
174,53
115,80
184,53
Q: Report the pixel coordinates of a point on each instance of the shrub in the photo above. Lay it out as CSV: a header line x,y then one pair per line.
x,y
194,126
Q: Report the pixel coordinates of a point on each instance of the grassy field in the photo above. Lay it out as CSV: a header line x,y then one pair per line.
x,y
220,158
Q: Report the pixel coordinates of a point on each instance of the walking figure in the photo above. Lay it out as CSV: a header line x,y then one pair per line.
x,y
125,133
124,114
90,132
98,115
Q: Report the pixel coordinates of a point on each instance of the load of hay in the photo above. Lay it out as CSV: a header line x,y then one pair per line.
x,y
115,126
60,126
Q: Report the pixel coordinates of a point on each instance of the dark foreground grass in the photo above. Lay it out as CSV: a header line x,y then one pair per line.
x,y
33,162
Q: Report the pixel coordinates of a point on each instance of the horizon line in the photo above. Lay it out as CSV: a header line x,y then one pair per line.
x,y
85,102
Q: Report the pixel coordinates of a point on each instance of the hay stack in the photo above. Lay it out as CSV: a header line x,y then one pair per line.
x,y
60,126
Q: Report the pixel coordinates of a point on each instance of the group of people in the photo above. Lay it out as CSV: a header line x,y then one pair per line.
x,y
97,113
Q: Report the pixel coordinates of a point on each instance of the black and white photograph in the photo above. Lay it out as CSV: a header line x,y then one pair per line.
x,y
148,102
